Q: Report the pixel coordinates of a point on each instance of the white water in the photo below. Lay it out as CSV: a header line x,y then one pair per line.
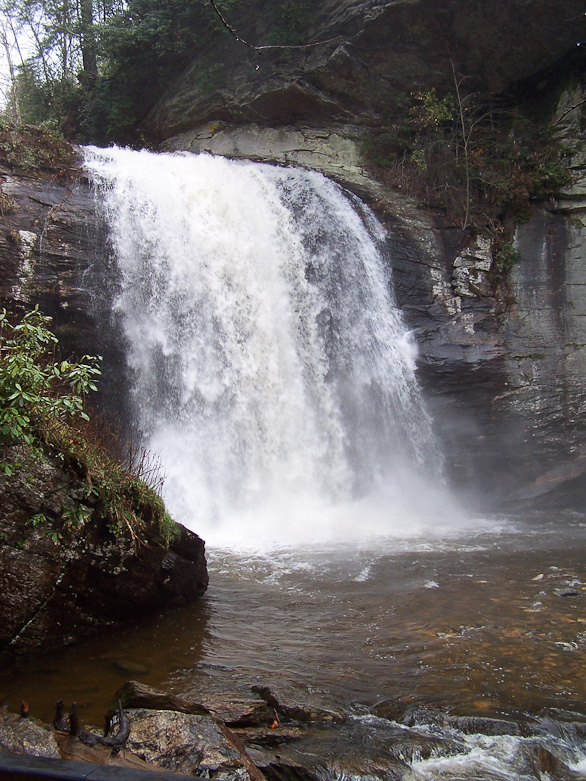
x,y
270,368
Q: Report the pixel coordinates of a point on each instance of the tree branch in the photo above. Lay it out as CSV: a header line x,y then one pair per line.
x,y
233,32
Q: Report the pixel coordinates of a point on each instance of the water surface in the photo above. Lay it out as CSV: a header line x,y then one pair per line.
x,y
475,623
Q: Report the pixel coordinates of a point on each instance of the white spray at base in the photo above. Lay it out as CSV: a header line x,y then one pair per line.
x,y
269,365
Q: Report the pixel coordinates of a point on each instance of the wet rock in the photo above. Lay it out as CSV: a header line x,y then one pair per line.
x,y
45,244
472,725
56,587
263,709
25,736
566,592
270,736
240,712
409,713
138,695
565,726
414,715
356,749
288,765
388,769
195,745
129,667
534,759
550,764
32,738
333,151
295,711
412,746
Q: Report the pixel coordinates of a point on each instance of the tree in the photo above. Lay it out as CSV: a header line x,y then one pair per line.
x,y
57,63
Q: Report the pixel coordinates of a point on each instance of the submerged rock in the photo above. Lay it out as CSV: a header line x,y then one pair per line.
x,y
138,695
473,725
566,592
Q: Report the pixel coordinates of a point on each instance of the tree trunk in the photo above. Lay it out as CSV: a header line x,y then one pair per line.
x,y
11,99
88,41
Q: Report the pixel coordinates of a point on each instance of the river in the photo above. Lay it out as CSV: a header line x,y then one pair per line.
x,y
486,623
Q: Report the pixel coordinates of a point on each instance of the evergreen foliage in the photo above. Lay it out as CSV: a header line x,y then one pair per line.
x,y
42,408
142,49
36,389
98,66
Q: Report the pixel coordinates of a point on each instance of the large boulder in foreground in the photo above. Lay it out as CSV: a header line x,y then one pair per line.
x,y
66,570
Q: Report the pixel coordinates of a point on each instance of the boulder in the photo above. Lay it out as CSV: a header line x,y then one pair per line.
x,y
191,744
57,583
297,712
26,736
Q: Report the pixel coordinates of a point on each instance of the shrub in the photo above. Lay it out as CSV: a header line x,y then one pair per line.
x,y
505,257
37,150
36,389
42,406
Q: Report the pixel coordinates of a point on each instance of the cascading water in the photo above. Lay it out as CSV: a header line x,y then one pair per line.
x,y
270,367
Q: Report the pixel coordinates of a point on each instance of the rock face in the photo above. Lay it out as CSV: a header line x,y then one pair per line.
x,y
376,51
46,245
59,583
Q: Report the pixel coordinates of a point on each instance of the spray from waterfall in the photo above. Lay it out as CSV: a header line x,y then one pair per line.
x,y
268,364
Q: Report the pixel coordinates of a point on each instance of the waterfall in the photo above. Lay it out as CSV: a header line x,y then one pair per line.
x,y
269,365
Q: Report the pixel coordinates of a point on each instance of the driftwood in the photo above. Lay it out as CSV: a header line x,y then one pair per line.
x,y
115,741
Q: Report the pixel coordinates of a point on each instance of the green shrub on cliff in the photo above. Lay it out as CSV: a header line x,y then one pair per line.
x,y
37,151
42,407
37,390
477,159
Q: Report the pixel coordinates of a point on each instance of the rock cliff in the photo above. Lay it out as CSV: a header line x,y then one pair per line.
x,y
376,52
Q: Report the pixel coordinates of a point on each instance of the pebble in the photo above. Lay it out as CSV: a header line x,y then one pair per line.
x,y
566,592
